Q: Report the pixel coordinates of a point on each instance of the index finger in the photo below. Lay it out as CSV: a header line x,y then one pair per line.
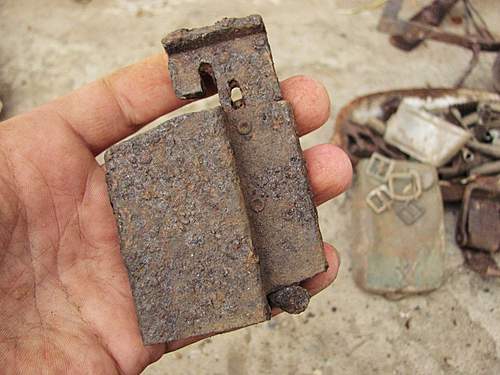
x,y
110,109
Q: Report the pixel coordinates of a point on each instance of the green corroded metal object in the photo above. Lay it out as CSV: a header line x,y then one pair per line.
x,y
400,249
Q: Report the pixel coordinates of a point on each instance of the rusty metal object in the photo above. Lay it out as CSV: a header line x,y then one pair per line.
x,y
184,235
400,250
214,208
235,54
416,30
359,141
486,169
431,15
481,262
478,225
487,149
292,299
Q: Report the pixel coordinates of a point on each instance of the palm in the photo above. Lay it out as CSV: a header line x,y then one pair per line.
x,y
65,301
63,282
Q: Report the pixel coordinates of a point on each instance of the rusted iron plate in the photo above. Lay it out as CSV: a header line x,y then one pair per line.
x,y
400,250
481,262
235,54
284,222
184,232
191,233
478,224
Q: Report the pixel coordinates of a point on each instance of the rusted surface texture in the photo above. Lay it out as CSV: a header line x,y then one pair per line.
x,y
280,206
261,131
400,250
478,224
292,299
214,208
481,262
185,237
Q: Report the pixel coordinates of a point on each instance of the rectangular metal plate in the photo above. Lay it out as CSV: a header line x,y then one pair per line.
x,y
280,205
261,131
185,236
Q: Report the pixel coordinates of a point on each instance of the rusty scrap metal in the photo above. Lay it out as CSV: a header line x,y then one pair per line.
x,y
481,262
414,30
431,15
478,225
485,148
360,141
261,131
184,236
207,233
485,169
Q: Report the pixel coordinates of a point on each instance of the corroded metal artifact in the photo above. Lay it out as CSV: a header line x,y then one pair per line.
x,y
214,208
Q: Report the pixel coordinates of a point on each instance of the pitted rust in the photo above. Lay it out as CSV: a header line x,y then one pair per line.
x,y
214,208
185,237
478,224
261,131
292,299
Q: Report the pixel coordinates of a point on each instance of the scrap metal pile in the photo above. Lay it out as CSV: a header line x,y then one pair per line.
x,y
409,34
412,149
216,218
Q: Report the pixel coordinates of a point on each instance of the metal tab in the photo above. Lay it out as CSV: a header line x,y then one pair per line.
x,y
478,224
184,233
235,54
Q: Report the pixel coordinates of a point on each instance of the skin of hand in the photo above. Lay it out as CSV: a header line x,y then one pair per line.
x,y
65,301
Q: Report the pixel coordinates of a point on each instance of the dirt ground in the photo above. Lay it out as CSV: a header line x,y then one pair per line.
x,y
49,47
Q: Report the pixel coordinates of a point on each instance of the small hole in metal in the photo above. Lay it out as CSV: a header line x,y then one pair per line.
x,y
237,99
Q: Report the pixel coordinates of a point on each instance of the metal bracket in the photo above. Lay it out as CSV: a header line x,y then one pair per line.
x,y
221,214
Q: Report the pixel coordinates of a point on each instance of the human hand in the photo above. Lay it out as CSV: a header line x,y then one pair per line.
x,y
65,300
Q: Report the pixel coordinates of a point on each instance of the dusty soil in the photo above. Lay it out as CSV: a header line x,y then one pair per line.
x,y
49,47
